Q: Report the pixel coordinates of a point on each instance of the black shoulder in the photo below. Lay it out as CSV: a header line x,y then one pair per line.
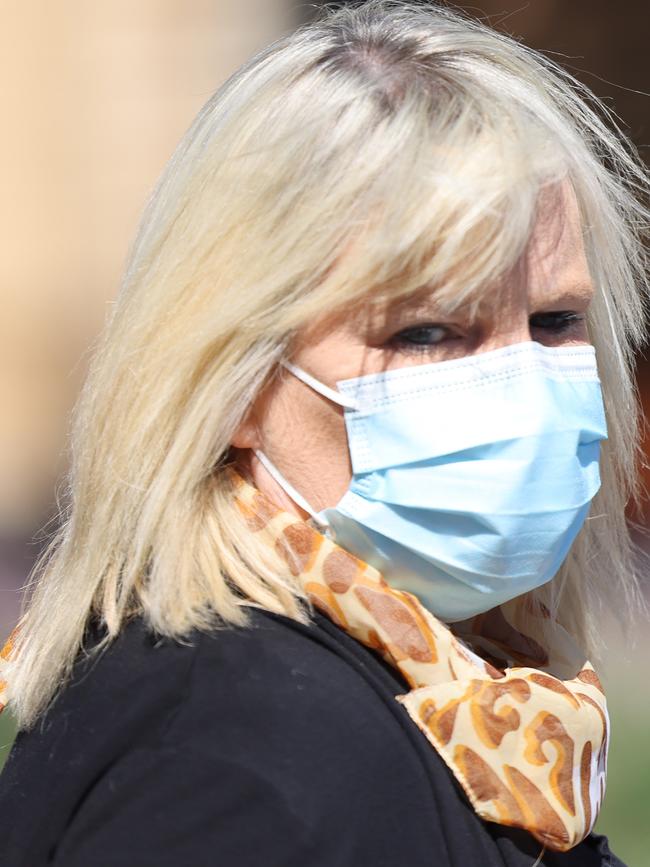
x,y
285,679
143,688
273,662
272,741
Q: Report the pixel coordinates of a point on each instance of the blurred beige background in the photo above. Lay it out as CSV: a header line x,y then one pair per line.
x,y
95,95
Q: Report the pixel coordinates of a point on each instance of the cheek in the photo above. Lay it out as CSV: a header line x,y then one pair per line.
x,y
304,435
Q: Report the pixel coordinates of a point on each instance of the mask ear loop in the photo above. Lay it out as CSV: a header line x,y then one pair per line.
x,y
320,387
331,394
288,488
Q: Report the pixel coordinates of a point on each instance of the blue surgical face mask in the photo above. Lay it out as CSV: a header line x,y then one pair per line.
x,y
472,477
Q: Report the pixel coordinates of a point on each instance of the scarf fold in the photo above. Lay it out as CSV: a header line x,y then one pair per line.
x,y
529,749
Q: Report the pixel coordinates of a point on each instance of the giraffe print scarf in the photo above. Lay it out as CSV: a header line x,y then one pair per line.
x,y
528,748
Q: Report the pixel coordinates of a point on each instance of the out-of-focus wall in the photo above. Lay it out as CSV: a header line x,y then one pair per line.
x,y
95,95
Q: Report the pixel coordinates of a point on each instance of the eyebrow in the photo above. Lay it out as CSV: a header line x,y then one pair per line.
x,y
571,294
421,303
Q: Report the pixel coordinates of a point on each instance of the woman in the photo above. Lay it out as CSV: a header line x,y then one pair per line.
x,y
346,494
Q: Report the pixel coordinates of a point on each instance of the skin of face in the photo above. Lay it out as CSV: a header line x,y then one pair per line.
x,y
544,298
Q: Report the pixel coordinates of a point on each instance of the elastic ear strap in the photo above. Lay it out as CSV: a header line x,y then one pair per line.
x,y
288,488
320,387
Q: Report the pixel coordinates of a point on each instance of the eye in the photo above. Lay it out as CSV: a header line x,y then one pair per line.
x,y
557,321
420,337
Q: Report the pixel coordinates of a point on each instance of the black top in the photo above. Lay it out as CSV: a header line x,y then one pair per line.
x,y
274,745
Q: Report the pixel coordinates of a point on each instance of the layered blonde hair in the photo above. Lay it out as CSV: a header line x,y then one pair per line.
x,y
373,151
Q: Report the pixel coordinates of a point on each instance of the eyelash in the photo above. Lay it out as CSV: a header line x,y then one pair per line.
x,y
560,321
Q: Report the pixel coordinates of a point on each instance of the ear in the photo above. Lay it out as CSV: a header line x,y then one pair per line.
x,y
247,435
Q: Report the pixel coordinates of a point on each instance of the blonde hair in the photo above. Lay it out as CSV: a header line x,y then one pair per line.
x,y
373,151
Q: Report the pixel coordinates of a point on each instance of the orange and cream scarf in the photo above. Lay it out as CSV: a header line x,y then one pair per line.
x,y
528,748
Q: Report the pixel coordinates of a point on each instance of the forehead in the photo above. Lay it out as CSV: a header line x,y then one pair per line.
x,y
554,264
552,269
556,246
535,257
